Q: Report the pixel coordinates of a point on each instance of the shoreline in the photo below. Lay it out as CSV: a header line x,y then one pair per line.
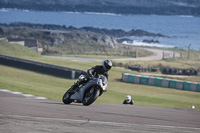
x,y
138,39
177,38
96,13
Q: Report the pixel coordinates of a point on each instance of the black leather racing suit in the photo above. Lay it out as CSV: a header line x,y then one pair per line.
x,y
93,72
131,102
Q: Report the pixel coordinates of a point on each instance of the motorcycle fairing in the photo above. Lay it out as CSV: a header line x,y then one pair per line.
x,y
79,95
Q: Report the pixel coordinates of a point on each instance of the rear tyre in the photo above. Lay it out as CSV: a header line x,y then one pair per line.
x,y
66,98
90,96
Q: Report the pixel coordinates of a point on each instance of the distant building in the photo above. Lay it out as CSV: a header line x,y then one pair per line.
x,y
30,43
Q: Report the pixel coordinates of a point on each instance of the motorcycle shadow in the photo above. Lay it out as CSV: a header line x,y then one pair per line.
x,y
52,102
60,103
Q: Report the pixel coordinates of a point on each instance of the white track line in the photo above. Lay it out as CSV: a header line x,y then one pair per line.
x,y
22,94
97,122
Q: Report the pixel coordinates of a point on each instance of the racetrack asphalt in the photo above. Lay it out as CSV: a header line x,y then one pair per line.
x,y
20,114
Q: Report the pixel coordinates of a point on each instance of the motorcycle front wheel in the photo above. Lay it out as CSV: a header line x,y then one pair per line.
x,y
66,98
90,96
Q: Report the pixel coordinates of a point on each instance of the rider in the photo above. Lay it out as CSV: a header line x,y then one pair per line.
x,y
128,100
93,72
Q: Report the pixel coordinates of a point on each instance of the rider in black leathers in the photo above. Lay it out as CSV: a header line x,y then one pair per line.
x,y
94,72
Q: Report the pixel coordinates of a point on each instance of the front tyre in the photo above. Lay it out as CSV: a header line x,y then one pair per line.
x,y
66,98
90,96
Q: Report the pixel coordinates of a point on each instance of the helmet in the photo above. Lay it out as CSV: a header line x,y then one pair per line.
x,y
81,77
128,98
107,64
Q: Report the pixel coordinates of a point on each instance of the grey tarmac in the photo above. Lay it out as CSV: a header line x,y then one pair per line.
x,y
20,114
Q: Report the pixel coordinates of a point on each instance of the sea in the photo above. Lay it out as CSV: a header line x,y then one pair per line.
x,y
182,30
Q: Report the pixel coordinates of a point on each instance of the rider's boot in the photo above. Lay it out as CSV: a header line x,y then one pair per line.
x,y
74,87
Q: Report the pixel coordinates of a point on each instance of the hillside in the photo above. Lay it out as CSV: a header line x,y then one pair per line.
x,y
62,42
16,50
55,39
160,7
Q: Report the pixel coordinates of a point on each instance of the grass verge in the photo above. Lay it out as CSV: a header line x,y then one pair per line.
x,y
54,88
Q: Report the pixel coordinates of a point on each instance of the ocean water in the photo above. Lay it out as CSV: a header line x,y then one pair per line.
x,y
183,30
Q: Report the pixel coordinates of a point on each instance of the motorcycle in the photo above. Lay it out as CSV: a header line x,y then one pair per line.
x,y
88,92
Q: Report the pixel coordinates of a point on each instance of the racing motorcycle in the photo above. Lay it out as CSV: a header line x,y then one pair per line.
x,y
88,92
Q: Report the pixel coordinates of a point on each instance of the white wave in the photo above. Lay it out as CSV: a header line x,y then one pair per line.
x,y
26,10
186,16
140,43
71,12
102,13
93,13
4,10
12,9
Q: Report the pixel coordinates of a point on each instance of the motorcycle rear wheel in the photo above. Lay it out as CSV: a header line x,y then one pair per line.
x,y
90,96
66,98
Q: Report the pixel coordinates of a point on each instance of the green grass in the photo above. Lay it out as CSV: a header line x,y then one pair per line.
x,y
16,50
32,83
192,63
53,87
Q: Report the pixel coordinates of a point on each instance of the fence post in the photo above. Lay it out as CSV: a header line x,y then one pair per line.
x,y
73,74
163,55
136,53
189,51
174,56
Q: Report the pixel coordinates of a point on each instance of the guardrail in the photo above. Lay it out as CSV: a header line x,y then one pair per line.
x,y
142,69
55,70
161,82
176,71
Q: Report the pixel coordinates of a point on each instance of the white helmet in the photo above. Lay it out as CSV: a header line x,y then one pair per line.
x,y
128,98
107,64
